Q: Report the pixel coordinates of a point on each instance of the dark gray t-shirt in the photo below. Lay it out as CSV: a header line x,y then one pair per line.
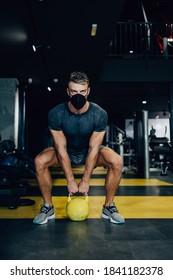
x,y
77,128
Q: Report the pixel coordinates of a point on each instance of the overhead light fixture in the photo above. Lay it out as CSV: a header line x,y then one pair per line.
x,y
12,33
30,80
93,29
55,80
49,88
170,40
144,102
34,47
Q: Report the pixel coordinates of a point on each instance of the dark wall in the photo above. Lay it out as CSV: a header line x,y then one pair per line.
x,y
38,103
137,70
7,107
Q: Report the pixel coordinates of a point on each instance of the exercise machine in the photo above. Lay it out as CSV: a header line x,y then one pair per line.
x,y
15,168
160,153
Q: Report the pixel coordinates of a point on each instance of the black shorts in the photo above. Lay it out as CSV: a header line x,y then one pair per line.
x,y
80,159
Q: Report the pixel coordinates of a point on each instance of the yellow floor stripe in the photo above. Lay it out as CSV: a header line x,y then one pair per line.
x,y
129,207
144,182
79,170
100,182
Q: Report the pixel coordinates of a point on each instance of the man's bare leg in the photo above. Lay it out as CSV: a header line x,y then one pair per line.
x,y
113,161
107,157
43,161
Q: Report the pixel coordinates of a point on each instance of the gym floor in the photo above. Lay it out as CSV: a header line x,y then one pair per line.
x,y
146,204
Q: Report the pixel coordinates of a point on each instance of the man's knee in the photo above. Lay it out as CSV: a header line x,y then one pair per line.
x,y
44,157
119,163
114,160
39,161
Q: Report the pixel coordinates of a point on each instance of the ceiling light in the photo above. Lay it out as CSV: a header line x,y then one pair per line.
x,y
93,29
12,33
144,102
30,81
49,88
55,80
34,47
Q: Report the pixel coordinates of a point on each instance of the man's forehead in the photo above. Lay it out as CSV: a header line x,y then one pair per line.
x,y
77,85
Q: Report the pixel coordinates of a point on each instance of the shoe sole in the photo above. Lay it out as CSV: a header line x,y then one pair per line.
x,y
111,220
46,220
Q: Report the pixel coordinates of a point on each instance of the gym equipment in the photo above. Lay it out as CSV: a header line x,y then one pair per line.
x,y
117,140
141,144
77,208
160,153
15,166
2,154
8,146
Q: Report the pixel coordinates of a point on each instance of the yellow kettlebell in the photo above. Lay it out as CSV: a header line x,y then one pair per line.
x,y
77,208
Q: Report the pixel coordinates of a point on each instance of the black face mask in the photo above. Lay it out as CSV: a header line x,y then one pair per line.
x,y
78,101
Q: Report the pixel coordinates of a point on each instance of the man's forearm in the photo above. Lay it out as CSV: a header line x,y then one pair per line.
x,y
90,164
65,164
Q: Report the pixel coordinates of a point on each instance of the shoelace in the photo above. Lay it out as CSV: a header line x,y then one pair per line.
x,y
112,209
45,209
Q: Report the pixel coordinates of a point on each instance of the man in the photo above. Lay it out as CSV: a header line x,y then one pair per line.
x,y
78,128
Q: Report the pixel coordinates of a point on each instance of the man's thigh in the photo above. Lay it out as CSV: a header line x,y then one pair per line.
x,y
49,157
106,156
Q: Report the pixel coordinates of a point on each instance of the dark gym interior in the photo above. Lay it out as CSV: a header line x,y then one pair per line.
x,y
126,48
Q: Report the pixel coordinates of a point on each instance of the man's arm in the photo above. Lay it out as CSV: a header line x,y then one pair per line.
x,y
94,145
61,148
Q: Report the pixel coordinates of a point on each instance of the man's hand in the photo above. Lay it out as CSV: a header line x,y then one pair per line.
x,y
72,187
83,187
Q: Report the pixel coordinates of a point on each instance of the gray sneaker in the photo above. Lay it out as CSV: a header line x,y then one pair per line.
x,y
46,213
111,213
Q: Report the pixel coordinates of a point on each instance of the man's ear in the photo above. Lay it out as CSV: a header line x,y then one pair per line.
x,y
67,89
88,90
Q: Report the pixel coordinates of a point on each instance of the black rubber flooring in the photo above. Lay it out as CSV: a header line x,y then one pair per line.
x,y
93,239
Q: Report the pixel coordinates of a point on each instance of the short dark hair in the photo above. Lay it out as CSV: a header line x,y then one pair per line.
x,y
78,77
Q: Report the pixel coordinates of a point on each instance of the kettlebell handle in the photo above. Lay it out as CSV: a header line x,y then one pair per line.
x,y
70,197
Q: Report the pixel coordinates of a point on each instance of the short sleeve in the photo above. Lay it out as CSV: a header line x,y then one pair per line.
x,y
54,120
101,120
